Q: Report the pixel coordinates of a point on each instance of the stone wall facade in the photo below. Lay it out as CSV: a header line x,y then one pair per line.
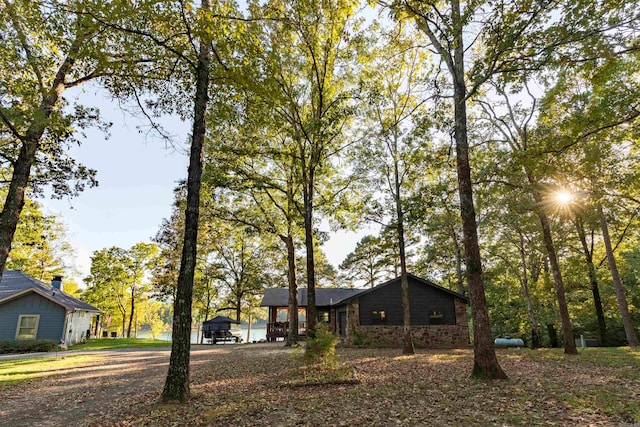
x,y
353,316
430,336
425,336
461,314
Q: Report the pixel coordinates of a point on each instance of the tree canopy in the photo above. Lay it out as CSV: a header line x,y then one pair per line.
x,y
495,145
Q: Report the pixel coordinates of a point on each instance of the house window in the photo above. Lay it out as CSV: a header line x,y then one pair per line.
x,y
323,316
27,327
302,320
282,314
436,318
378,316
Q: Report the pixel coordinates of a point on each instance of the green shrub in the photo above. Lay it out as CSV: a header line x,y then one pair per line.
x,y
360,339
27,346
6,346
43,345
383,342
321,348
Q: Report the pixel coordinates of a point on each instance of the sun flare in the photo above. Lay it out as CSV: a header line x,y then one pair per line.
x,y
564,197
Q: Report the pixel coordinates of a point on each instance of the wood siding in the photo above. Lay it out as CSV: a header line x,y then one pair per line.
x,y
51,316
424,300
77,326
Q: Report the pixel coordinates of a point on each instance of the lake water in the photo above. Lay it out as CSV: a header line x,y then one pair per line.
x,y
257,334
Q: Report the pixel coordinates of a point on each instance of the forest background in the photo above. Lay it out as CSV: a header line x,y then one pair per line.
x,y
565,126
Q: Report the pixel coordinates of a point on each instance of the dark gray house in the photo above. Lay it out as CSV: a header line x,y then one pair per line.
x,y
30,309
438,315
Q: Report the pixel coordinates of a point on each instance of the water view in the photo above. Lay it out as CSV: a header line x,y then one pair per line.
x,y
257,333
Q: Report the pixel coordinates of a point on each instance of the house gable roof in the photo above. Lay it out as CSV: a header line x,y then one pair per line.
x,y
413,277
15,284
279,297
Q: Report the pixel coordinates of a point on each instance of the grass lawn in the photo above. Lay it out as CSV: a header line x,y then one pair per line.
x,y
14,371
614,357
109,343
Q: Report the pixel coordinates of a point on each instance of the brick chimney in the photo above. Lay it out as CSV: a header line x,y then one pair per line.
x,y
56,282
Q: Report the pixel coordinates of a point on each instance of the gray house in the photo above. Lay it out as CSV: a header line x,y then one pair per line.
x,y
438,315
30,309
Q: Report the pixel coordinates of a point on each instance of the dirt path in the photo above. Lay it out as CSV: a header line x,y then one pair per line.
x,y
96,393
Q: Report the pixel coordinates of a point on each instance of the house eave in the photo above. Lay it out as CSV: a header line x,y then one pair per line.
x,y
39,292
68,308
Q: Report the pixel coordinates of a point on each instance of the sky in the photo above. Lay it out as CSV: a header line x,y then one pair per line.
x,y
137,174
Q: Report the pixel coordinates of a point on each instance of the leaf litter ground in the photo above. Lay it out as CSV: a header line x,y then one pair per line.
x,y
246,385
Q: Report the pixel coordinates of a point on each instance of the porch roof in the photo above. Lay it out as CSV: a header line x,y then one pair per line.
x,y
279,297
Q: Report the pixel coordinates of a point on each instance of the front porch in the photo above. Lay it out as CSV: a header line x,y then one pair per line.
x,y
280,330
278,322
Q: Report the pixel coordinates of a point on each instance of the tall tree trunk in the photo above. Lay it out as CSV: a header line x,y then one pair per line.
x,y
124,322
593,280
14,202
95,329
249,327
308,240
407,347
632,339
459,273
569,343
123,311
207,310
238,308
485,363
524,283
553,335
176,386
292,336
133,308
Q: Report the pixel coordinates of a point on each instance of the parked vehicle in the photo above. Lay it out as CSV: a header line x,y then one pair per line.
x,y
219,329
220,335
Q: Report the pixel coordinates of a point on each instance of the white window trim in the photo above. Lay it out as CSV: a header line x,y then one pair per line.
x,y
37,316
